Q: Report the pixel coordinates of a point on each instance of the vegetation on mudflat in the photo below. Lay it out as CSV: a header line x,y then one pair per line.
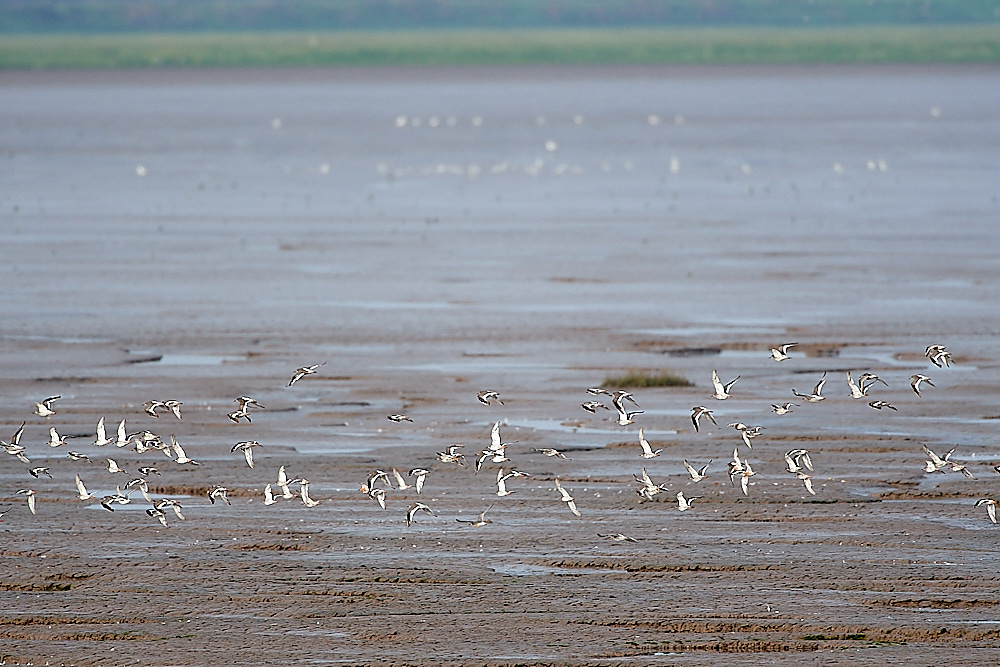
x,y
633,379
615,46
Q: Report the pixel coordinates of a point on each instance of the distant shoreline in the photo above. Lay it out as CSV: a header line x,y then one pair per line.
x,y
590,47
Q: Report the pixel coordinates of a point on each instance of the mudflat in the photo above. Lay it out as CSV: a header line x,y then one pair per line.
x,y
432,233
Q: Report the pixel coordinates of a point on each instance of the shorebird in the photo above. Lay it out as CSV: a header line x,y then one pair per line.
x,y
117,497
83,494
452,455
878,405
283,484
915,381
747,432
817,394
646,487
624,416
866,380
269,495
152,406
736,466
236,415
780,353
420,474
172,504
699,411
309,502
568,499
938,355
378,495
142,485
617,537
245,402
14,447
747,473
599,391
369,485
936,463
593,406
399,418
856,391
622,395
44,409
122,439
246,447
722,390
30,498
179,453
218,493
783,409
102,435
146,471
40,470
480,520
54,439
991,507
501,483
158,515
807,480
113,467
696,475
495,442
78,456
485,397
684,504
413,509
647,451
796,459
304,371
548,451
174,407
401,484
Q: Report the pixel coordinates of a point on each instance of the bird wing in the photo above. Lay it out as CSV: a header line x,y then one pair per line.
x,y
248,455
991,509
691,470
282,477
572,507
719,389
495,436
818,389
744,482
81,488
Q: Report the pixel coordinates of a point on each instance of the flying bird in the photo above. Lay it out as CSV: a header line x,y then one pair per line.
x,y
647,451
915,381
817,393
413,509
486,396
304,371
722,390
697,412
568,499
44,409
780,353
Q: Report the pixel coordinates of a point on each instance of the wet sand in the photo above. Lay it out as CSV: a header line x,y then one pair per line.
x,y
688,220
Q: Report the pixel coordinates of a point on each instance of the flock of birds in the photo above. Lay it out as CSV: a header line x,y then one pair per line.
x,y
378,483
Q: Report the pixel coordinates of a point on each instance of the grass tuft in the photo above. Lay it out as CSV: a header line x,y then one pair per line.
x,y
646,379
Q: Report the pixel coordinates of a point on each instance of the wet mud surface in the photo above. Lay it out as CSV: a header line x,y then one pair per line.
x,y
424,262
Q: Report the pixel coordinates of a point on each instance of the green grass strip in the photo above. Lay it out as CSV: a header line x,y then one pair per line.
x,y
880,44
